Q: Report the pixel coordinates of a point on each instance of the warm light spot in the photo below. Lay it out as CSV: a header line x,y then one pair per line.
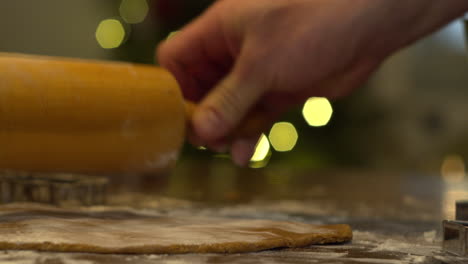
x,y
262,153
317,111
110,33
453,192
133,11
261,150
453,168
172,34
283,136
201,148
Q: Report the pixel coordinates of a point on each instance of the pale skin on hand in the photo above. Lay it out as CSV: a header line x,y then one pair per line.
x,y
265,56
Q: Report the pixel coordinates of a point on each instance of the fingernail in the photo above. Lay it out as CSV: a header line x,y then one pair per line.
x,y
206,122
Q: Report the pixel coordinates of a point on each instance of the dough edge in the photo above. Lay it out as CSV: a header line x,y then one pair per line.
x,y
341,234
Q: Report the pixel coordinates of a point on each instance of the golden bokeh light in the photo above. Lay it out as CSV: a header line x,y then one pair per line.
x,y
133,11
453,168
262,153
110,33
261,150
317,111
283,136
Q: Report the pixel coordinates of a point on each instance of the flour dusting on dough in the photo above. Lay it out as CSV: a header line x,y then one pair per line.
x,y
126,232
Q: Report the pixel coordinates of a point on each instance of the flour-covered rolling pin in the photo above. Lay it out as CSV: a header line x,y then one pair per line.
x,y
70,115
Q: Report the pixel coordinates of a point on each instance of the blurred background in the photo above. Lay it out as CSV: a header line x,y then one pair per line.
x,y
410,116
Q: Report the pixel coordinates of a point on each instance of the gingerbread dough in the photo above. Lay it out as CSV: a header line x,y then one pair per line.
x,y
127,231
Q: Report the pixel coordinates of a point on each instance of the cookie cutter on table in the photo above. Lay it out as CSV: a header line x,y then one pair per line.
x,y
455,232
58,189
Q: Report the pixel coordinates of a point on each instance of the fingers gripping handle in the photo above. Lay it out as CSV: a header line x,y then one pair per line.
x,y
251,126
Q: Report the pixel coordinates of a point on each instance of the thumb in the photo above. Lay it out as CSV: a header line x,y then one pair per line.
x,y
225,107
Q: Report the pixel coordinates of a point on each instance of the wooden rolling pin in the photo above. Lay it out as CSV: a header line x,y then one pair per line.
x,y
70,115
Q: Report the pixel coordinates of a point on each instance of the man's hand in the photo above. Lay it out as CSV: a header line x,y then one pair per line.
x,y
265,56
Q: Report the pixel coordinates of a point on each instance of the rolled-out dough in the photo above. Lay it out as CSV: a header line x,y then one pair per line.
x,y
128,231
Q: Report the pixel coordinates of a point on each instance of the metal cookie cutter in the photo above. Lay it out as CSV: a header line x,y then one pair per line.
x,y
58,189
456,232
